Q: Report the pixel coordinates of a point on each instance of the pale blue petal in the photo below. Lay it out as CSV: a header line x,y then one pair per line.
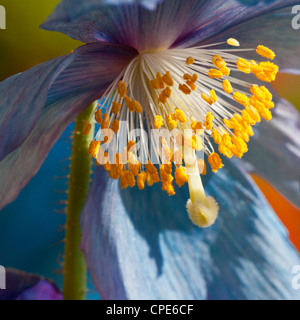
x,y
274,152
93,69
22,99
24,286
141,244
170,23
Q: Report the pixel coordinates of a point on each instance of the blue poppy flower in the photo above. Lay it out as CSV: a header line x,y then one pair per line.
x,y
140,244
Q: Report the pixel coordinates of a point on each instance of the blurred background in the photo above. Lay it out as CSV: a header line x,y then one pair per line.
x,y
32,228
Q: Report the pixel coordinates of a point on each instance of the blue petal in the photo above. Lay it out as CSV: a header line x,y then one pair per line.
x,y
94,67
126,22
274,152
22,99
25,286
171,23
141,244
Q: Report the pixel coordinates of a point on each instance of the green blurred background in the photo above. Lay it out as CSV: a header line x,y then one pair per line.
x,y
23,44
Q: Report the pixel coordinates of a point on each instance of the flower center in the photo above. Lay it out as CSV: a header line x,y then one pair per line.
x,y
194,105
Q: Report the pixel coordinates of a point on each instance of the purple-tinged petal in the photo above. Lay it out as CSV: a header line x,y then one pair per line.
x,y
82,82
170,23
126,22
272,29
24,286
22,99
274,152
141,244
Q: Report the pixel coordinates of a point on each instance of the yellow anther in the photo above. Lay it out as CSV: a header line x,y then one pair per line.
x,y
207,99
218,61
255,68
195,78
130,145
115,126
185,89
180,116
225,71
93,148
105,121
257,104
158,122
86,128
129,104
168,167
208,124
232,123
215,162
227,86
265,52
254,114
201,166
270,68
243,65
265,77
130,178
213,95
107,166
233,42
215,74
225,146
269,104
123,181
154,84
217,57
190,60
122,89
192,78
168,79
160,80
150,168
241,98
164,175
258,94
149,179
192,85
181,176
119,160
196,143
239,147
98,116
168,187
216,136
167,92
172,120
251,115
266,114
267,93
196,126
140,180
162,98
137,106
116,107
115,172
